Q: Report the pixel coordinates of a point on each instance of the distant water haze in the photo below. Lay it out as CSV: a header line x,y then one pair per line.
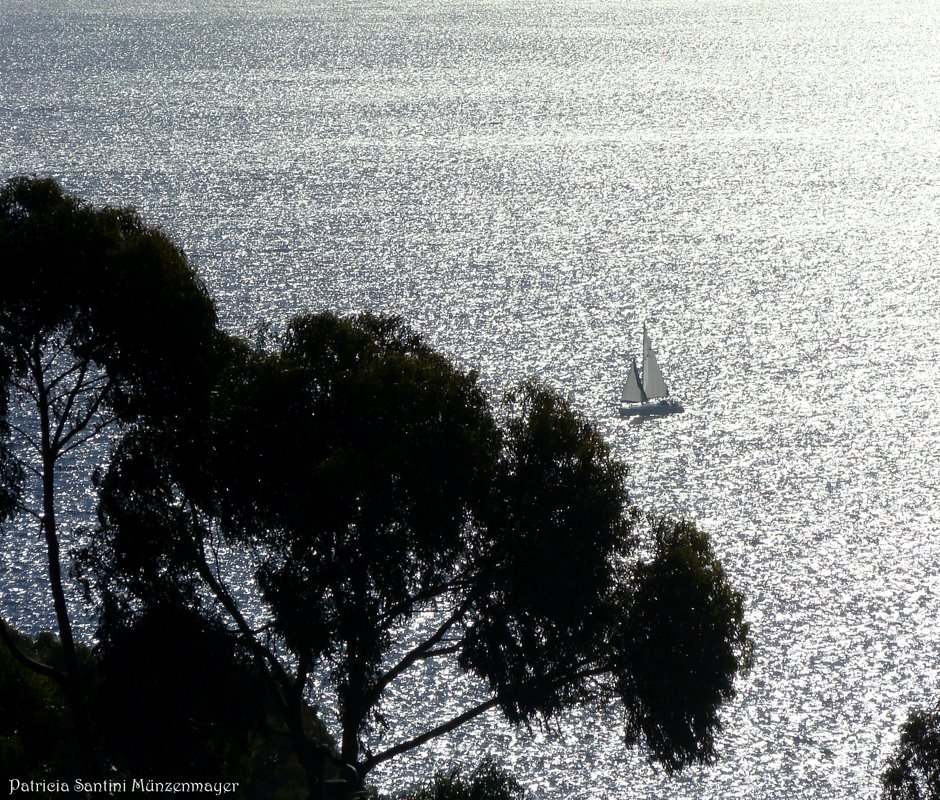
x,y
527,184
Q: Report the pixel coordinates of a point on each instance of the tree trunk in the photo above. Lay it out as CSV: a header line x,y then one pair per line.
x,y
73,686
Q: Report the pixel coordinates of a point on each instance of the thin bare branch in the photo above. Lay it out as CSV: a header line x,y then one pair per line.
x,y
26,387
433,733
24,435
222,594
35,471
58,346
442,651
424,596
26,509
419,652
69,396
85,385
60,443
98,428
83,366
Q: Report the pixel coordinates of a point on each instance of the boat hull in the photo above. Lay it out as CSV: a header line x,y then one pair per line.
x,y
657,408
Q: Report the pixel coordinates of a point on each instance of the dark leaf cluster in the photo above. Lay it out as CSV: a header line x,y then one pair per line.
x,y
681,640
103,288
486,782
913,771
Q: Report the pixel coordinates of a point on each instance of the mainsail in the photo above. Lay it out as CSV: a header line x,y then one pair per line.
x,y
653,384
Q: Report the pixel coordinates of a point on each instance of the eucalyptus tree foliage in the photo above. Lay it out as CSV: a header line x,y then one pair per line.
x,y
102,320
34,738
673,668
369,483
179,670
486,782
913,772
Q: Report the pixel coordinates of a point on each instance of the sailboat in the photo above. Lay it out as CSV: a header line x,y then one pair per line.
x,y
646,394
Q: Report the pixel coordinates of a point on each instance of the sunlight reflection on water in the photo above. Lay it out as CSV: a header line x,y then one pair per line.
x,y
527,185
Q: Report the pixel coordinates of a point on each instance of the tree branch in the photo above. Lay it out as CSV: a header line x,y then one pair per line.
x,y
25,388
424,596
69,401
60,441
228,603
30,663
82,367
59,344
24,435
417,653
443,651
90,435
585,670
417,741
305,748
26,509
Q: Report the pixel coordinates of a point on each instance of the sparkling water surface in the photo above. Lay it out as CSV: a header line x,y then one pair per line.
x,y
527,183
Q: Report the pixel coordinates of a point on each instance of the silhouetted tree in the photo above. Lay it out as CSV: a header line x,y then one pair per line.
x,y
36,734
673,666
176,696
365,483
486,782
913,771
101,320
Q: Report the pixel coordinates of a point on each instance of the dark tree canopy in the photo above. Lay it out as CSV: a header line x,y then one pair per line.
x,y
99,287
680,641
555,530
486,782
176,696
371,482
913,771
36,736
102,322
292,509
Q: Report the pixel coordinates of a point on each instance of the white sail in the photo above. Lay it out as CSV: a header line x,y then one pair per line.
x,y
646,395
633,388
653,383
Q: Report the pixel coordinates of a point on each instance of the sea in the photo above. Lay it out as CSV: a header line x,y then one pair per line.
x,y
527,184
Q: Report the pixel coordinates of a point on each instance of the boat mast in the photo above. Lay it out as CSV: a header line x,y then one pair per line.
x,y
653,384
